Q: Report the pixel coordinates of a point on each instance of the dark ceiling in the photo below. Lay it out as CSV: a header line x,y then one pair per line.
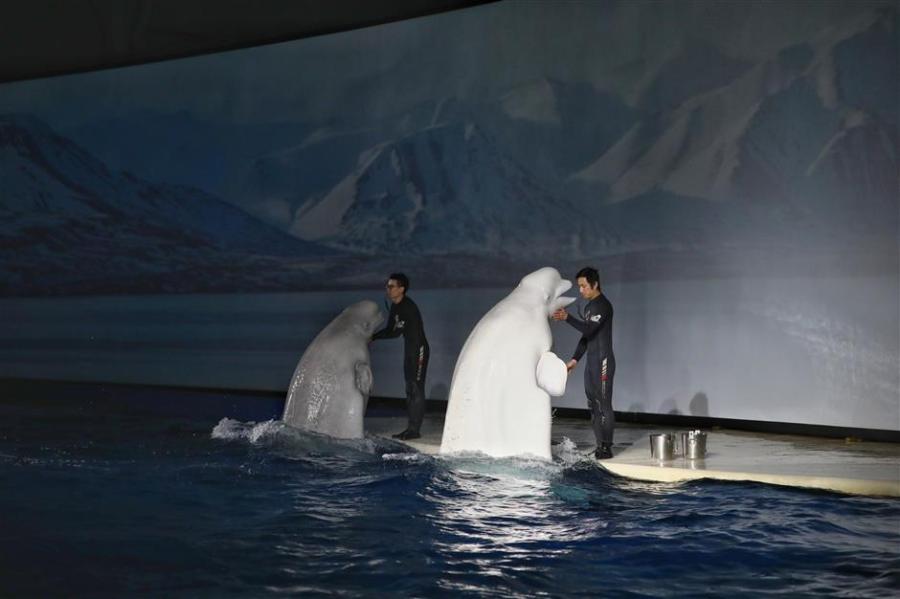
x,y
40,38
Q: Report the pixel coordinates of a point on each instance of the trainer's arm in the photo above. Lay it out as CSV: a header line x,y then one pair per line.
x,y
580,348
588,328
389,331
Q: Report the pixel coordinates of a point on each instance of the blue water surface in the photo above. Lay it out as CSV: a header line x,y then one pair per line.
x,y
151,496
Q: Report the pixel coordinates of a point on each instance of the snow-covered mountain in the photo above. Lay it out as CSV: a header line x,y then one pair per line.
x,y
274,184
694,68
804,138
554,128
779,134
444,190
545,127
71,221
780,151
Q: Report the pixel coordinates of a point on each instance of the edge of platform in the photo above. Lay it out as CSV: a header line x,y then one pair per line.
x,y
852,486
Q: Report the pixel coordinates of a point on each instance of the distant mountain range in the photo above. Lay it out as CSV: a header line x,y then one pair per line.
x,y
782,134
712,156
789,148
443,190
66,220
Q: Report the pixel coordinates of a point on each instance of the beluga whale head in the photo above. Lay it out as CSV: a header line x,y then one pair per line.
x,y
364,316
546,283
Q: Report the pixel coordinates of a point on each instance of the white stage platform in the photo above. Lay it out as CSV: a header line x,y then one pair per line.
x,y
846,466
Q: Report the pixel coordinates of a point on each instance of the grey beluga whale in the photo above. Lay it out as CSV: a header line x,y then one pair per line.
x,y
331,384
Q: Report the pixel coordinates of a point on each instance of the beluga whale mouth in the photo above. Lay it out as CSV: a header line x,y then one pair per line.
x,y
499,401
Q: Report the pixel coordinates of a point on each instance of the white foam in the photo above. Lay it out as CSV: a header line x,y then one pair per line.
x,y
404,457
566,453
230,430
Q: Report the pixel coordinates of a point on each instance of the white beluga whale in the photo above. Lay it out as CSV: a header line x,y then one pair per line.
x,y
499,401
331,384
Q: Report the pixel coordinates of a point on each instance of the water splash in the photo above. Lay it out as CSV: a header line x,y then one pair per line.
x,y
567,453
230,430
292,443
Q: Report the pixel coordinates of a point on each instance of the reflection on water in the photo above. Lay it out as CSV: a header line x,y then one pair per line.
x,y
486,513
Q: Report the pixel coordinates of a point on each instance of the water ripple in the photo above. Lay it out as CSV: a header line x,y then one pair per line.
x,y
167,507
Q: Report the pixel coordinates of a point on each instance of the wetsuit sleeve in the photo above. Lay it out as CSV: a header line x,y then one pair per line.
x,y
580,348
588,329
390,331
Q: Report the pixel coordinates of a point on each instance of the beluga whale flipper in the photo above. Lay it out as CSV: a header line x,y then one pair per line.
x,y
500,393
331,384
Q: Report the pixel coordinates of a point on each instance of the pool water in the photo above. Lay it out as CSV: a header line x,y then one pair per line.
x,y
157,494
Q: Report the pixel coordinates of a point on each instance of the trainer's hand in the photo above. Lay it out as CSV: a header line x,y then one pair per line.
x,y
560,314
571,365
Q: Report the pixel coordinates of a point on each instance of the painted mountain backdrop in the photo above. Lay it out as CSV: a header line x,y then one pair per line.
x,y
701,162
68,224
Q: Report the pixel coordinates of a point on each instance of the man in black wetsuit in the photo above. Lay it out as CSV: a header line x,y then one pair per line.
x,y
405,319
596,338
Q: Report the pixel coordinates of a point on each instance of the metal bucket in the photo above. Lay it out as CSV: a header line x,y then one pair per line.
x,y
662,446
693,445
